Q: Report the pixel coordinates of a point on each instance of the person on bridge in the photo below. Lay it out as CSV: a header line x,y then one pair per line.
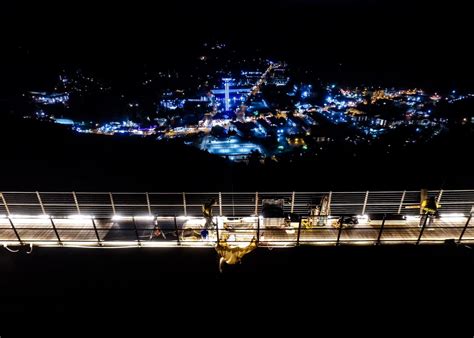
x,y
207,213
157,232
429,208
323,210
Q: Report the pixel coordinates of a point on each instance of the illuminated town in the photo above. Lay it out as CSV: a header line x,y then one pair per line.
x,y
255,108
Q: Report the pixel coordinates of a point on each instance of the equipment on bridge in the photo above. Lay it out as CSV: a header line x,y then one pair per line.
x,y
348,221
274,216
191,230
318,215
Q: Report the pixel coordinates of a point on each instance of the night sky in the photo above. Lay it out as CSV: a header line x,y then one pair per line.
x,y
422,41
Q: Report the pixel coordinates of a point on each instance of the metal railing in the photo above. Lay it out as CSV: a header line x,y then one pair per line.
x,y
159,219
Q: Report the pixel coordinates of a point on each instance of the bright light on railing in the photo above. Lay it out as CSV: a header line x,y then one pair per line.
x,y
80,217
413,218
28,216
144,218
453,217
187,217
121,218
363,218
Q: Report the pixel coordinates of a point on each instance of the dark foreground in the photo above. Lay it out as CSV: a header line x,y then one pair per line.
x,y
408,280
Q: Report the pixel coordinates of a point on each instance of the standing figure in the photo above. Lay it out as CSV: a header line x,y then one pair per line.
x,y
323,210
429,208
313,217
207,213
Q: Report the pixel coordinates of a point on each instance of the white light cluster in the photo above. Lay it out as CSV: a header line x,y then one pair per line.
x,y
29,216
80,217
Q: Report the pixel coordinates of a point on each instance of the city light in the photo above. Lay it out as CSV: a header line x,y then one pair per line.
x,y
236,101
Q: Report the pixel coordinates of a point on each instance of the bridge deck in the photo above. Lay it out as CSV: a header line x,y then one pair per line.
x,y
53,232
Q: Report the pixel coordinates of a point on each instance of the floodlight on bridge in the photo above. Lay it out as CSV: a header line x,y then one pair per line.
x,y
363,218
453,217
144,218
80,217
29,216
187,217
121,218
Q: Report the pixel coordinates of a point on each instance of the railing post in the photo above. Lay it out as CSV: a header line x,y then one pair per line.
x,y
184,204
4,202
467,224
292,202
96,232
258,230
148,203
112,202
220,203
365,202
176,229
439,196
41,203
299,233
56,231
422,228
15,231
136,230
339,233
256,203
329,203
76,202
381,229
401,202
217,231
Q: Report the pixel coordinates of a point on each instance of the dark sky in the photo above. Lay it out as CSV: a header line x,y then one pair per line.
x,y
426,38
